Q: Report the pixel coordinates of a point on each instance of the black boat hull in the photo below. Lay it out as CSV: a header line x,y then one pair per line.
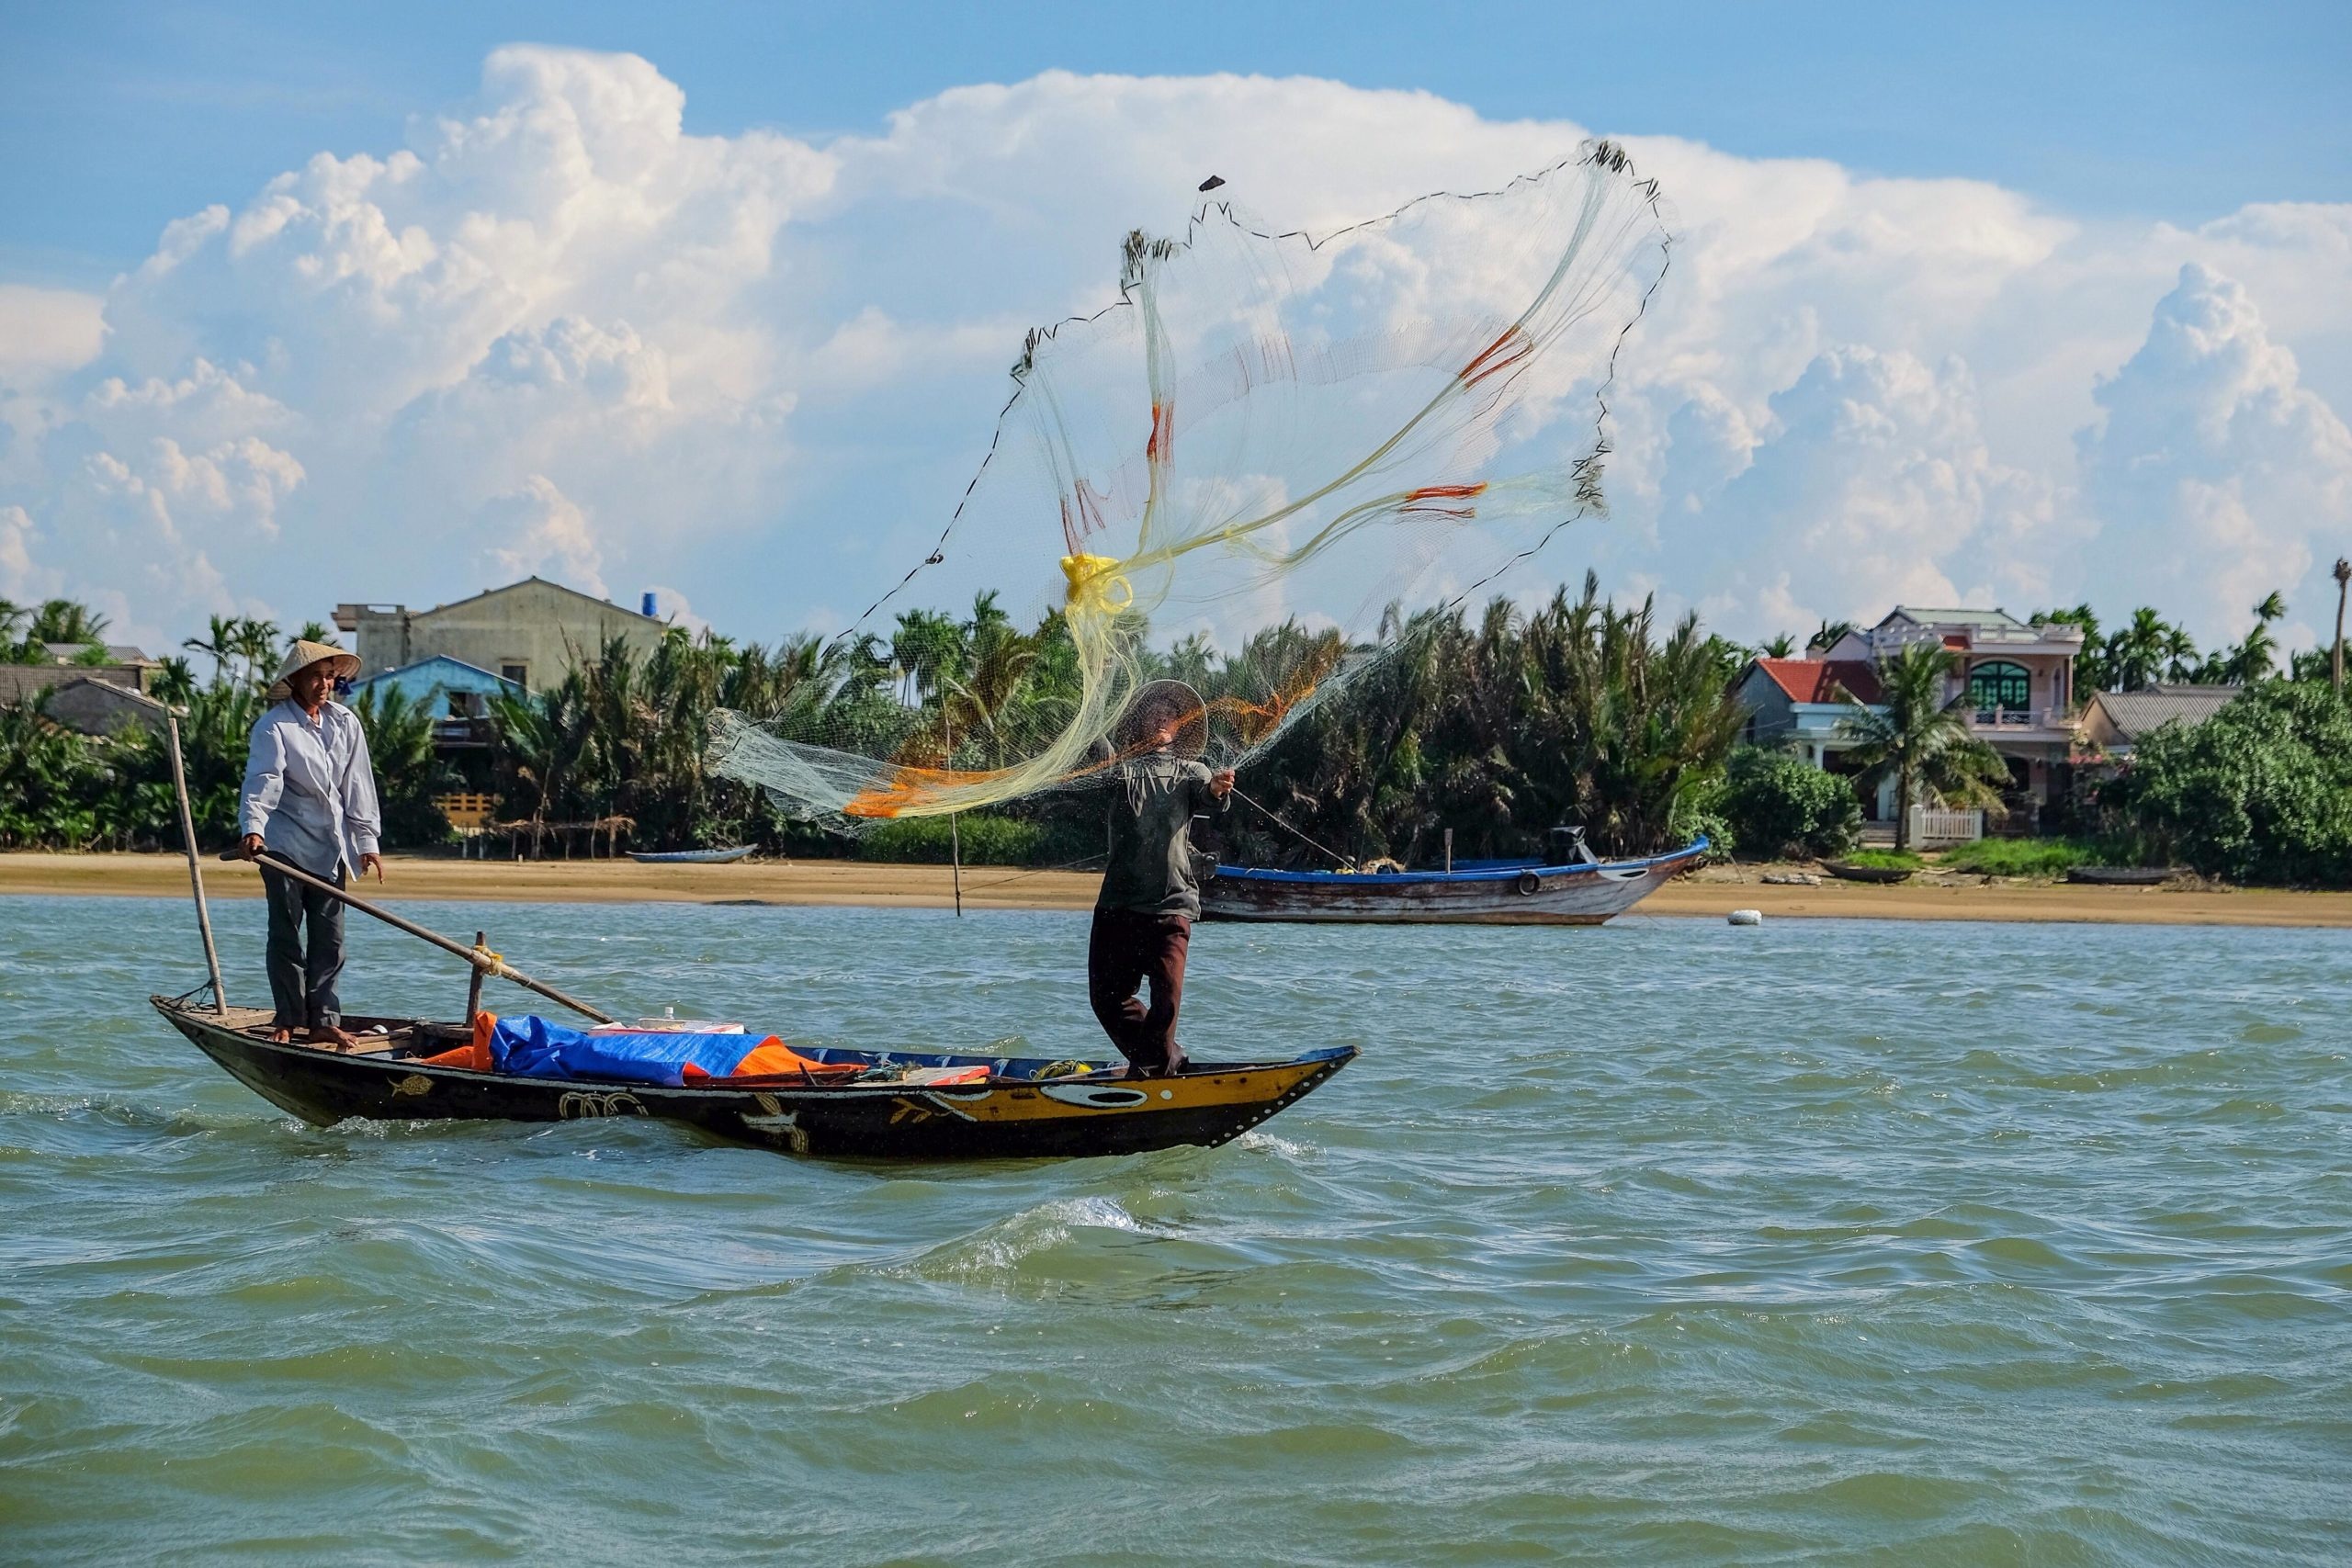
x,y
1004,1118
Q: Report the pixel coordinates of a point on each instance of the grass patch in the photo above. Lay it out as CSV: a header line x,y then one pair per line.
x,y
1883,859
987,840
2024,857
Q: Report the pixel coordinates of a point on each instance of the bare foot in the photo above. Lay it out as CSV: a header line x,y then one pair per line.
x,y
281,1036
330,1036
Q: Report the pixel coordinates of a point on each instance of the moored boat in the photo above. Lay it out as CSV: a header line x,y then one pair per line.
x,y
1022,1108
691,857
1529,892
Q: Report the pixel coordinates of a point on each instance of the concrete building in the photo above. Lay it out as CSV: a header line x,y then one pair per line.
x,y
21,682
528,632
2015,681
101,707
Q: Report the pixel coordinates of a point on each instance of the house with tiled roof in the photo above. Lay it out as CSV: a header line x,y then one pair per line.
x,y
1801,701
2115,722
2014,680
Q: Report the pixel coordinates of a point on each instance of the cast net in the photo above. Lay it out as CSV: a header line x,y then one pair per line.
x,y
1234,477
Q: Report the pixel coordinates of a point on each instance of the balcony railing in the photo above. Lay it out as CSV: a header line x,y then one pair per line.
x,y
2020,718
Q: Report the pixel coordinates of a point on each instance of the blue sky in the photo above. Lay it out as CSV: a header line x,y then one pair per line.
x,y
115,117
1998,304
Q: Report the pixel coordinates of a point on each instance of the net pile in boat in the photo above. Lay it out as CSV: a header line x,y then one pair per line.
x,y
1233,476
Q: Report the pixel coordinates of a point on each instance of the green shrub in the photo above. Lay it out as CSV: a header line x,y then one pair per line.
x,y
2027,857
1778,804
986,840
2260,791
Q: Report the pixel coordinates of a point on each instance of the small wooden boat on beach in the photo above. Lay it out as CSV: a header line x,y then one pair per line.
x,y
691,857
1529,891
1016,1108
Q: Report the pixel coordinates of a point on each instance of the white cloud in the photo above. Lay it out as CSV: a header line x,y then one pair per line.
x,y
21,581
549,534
2223,475
47,330
557,333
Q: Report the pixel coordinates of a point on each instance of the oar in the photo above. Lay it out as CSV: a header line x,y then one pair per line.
x,y
480,958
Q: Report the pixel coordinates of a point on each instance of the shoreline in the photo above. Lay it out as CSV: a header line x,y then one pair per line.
x,y
1709,893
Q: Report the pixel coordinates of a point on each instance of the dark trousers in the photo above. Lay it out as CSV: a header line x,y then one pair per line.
x,y
1126,948
301,983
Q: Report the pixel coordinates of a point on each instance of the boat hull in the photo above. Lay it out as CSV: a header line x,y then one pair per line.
x,y
1521,895
692,857
1008,1118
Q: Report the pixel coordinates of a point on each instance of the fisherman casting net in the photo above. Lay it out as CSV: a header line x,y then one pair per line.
x,y
1265,444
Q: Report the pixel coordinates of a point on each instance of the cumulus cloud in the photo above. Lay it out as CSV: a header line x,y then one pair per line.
x,y
556,333
47,330
2225,477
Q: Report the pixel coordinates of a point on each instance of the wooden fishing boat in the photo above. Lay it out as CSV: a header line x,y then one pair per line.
x,y
1847,871
1017,1111
691,857
1529,892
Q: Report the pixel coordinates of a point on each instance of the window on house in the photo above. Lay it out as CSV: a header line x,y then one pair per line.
x,y
518,673
2001,687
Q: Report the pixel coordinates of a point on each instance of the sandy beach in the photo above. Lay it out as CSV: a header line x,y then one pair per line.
x,y
1711,894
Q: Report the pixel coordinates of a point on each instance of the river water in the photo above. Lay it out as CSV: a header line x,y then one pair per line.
x,y
1668,1242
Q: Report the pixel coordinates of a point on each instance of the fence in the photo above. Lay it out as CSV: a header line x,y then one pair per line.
x,y
467,810
1930,826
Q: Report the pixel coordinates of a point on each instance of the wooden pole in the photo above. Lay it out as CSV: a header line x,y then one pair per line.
x,y
195,866
954,834
473,982
1449,850
479,957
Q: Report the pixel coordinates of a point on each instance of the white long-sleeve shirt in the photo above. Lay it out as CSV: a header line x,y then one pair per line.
x,y
309,788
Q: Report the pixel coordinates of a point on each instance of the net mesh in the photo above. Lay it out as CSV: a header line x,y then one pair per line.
x,y
1232,477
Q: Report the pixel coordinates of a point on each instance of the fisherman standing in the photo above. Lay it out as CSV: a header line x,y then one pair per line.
x,y
1151,892
310,797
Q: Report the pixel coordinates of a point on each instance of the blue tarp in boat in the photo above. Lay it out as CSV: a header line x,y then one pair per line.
x,y
539,1049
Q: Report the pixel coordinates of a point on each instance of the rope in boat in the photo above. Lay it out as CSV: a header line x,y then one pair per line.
x,y
1275,818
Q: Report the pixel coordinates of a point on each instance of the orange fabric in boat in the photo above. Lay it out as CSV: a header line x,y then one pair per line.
x,y
772,1058
473,1059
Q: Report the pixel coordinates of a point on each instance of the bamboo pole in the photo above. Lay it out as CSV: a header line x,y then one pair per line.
x,y
954,833
195,866
473,983
482,958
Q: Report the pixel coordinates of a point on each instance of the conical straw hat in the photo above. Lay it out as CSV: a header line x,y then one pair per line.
x,y
301,656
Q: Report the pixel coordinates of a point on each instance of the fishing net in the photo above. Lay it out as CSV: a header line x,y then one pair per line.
x,y
1232,478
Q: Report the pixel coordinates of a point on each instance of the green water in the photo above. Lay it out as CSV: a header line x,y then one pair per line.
x,y
1668,1242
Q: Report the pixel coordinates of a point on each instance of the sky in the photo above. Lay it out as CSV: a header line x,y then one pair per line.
x,y
2000,304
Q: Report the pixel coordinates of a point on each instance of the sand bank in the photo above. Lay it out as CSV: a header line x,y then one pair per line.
x,y
1711,894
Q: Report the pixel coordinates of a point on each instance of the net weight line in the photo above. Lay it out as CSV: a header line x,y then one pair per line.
x,y
1276,818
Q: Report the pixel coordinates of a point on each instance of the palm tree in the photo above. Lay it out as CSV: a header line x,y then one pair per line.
x,y
254,642
314,631
63,620
2136,653
175,683
1782,645
2181,662
220,646
2343,584
1917,736
2254,658
13,615
1831,633
978,707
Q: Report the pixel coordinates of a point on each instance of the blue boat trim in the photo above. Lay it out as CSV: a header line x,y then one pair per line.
x,y
1485,871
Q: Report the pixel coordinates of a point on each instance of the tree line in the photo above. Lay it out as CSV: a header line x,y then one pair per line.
x,y
1497,723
